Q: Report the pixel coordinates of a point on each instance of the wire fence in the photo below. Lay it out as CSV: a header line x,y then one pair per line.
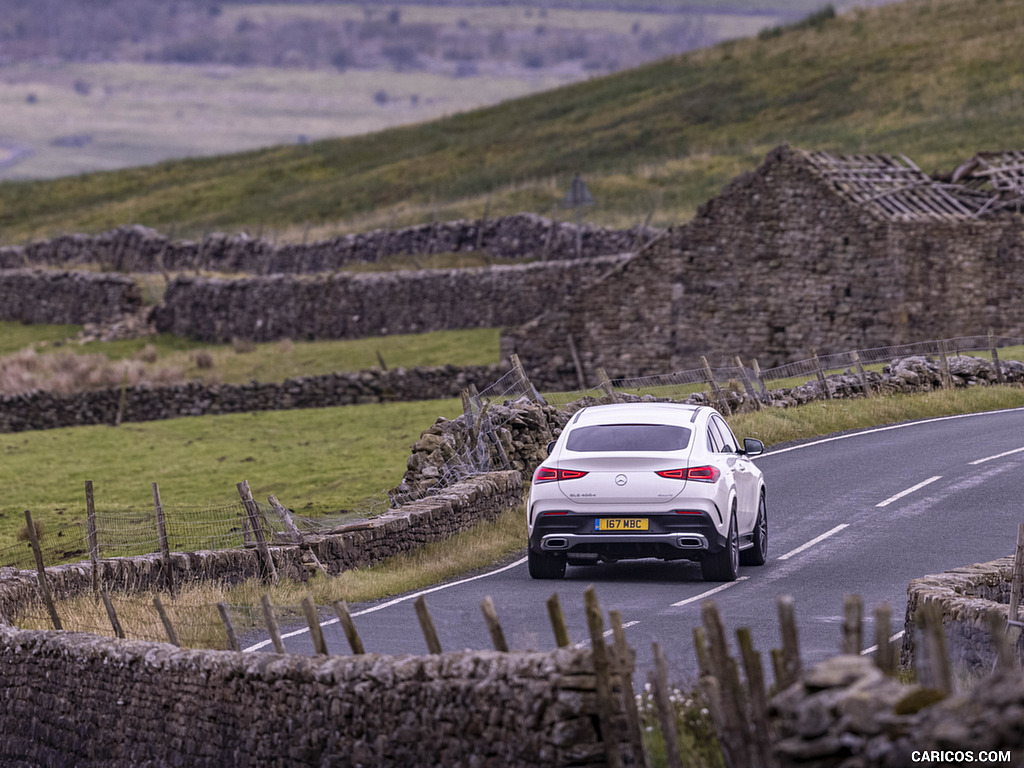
x,y
482,448
680,384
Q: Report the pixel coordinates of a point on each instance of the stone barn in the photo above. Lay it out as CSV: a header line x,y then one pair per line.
x,y
810,251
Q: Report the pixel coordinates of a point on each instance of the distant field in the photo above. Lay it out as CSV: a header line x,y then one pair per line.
x,y
63,119
137,114
937,81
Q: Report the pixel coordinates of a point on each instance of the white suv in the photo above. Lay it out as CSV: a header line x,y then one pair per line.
x,y
648,480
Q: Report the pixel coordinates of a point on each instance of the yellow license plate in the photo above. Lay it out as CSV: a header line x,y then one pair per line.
x,y
621,524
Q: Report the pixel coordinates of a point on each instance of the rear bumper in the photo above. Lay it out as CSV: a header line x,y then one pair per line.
x,y
669,536
561,542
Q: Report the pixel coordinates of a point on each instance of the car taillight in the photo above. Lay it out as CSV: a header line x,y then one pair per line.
x,y
700,474
551,475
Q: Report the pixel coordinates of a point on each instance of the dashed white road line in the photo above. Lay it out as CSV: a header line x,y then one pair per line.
x,y
997,456
709,593
814,541
909,491
396,601
892,639
606,633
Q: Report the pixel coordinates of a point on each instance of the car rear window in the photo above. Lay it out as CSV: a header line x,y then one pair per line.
x,y
628,437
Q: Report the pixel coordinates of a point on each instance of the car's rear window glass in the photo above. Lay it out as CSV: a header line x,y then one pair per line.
x,y
629,437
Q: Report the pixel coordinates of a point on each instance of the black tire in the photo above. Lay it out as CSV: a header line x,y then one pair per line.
x,y
545,566
758,554
724,565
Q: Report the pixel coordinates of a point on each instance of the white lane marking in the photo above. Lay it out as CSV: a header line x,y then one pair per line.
x,y
606,633
780,451
909,491
396,601
709,593
892,639
814,541
997,456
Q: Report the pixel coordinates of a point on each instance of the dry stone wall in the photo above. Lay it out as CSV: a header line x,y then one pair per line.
x,y
74,699
966,596
140,249
347,306
845,712
47,410
41,296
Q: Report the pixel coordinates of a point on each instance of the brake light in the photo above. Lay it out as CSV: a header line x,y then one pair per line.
x,y
552,475
706,474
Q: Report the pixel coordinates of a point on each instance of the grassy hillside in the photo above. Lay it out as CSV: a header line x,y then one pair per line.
x,y
937,80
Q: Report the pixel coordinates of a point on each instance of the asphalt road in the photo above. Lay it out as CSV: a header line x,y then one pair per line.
x,y
862,513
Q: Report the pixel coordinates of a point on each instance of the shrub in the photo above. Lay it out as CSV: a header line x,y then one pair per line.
x,y
148,354
243,346
202,359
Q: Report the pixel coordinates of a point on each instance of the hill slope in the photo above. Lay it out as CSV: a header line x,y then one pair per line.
x,y
936,80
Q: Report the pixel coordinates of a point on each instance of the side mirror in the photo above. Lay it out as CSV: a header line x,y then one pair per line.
x,y
752,446
551,446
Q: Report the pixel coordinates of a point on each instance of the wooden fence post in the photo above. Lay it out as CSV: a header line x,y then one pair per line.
x,y
580,378
885,656
790,657
112,615
748,385
354,641
700,645
861,375
493,625
165,549
853,627
731,726
558,621
253,514
1000,379
286,518
947,378
820,374
172,636
759,375
229,628
1017,579
715,389
44,585
941,671
602,675
658,678
625,660
427,625
606,384
998,629
316,632
94,546
754,670
271,621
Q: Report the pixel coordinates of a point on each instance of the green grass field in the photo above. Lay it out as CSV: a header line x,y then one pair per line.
x,y
937,81
315,461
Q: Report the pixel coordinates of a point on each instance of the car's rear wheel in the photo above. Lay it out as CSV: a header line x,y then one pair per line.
x,y
724,565
758,554
545,566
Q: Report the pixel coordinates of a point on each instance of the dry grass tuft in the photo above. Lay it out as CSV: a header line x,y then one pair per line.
x,y
202,359
23,534
67,372
148,354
